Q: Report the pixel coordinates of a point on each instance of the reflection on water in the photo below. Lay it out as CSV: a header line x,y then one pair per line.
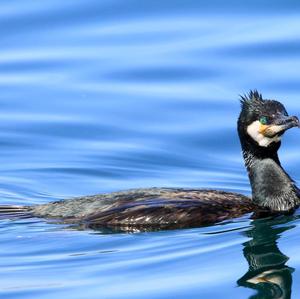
x,y
100,96
268,273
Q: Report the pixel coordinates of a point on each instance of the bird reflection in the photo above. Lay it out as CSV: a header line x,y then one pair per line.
x,y
268,273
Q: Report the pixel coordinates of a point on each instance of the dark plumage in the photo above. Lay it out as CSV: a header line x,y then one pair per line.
x,y
260,126
271,186
152,208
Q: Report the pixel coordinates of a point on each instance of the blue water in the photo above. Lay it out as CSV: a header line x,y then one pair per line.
x,y
100,96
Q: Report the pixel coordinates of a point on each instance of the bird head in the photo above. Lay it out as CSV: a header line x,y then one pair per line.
x,y
263,122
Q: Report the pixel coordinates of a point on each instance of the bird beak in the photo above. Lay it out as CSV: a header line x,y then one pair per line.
x,y
279,126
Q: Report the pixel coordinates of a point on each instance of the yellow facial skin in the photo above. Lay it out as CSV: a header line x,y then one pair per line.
x,y
262,129
270,130
264,135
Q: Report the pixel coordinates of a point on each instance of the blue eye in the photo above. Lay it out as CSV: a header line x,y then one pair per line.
x,y
263,120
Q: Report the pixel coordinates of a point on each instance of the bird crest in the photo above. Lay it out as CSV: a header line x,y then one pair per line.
x,y
252,101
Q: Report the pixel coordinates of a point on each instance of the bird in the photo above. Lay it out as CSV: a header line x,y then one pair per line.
x,y
261,125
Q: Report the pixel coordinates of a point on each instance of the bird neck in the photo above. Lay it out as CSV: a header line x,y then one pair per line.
x,y
271,186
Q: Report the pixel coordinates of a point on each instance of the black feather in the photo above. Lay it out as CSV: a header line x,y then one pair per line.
x,y
252,98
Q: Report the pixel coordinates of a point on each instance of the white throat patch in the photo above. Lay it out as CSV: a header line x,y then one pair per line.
x,y
254,132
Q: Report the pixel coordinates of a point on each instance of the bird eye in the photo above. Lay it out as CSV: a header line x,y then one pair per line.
x,y
263,120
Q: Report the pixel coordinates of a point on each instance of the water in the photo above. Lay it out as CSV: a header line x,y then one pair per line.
x,y
100,96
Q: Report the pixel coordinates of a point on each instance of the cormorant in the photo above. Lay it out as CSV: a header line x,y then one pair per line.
x,y
261,125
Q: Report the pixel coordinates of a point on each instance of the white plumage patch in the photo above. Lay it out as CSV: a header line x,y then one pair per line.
x,y
254,131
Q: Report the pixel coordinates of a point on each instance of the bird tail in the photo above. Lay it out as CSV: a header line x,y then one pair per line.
x,y
8,212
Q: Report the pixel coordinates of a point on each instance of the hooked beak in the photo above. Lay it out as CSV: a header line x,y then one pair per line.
x,y
279,126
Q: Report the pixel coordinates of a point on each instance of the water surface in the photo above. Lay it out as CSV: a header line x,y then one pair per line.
x,y
100,96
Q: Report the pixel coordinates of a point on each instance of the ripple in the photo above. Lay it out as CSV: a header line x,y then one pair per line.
x,y
102,96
